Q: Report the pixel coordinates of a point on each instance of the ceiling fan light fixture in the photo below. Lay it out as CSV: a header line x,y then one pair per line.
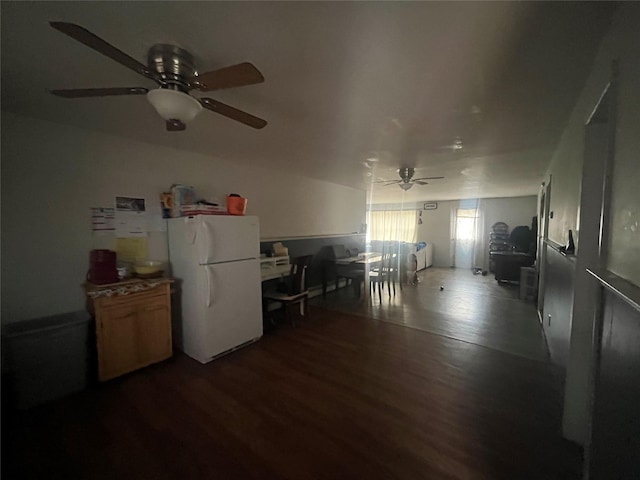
x,y
174,105
405,186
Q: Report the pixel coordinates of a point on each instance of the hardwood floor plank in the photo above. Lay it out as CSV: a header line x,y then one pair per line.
x,y
472,308
339,396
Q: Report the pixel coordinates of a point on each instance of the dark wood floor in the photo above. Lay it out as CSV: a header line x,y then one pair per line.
x,y
473,308
339,396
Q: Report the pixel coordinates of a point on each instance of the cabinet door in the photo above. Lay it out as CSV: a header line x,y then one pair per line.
x,y
154,330
117,343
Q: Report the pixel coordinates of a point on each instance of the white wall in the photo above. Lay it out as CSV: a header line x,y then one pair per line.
x,y
624,228
436,229
436,224
621,44
52,174
566,165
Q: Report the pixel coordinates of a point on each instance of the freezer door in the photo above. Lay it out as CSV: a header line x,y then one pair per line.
x,y
205,239
232,304
224,238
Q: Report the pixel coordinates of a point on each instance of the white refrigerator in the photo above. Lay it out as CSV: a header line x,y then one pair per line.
x,y
214,258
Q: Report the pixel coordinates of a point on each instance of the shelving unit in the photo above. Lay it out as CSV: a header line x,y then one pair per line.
x,y
498,242
274,267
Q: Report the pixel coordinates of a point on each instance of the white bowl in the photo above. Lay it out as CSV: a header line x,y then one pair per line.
x,y
146,267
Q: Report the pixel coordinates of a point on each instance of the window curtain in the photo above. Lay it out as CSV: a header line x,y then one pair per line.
x,y
468,229
394,225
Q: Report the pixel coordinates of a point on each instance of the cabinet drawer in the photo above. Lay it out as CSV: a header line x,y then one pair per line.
x,y
161,291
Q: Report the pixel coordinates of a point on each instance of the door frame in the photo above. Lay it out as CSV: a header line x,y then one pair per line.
x,y
543,236
587,315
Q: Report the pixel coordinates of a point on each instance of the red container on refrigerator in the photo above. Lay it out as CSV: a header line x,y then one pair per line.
x,y
236,205
102,267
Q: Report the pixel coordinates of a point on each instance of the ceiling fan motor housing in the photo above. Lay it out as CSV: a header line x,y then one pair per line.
x,y
406,174
174,65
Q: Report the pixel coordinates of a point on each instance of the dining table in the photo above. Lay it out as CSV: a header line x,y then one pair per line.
x,y
364,261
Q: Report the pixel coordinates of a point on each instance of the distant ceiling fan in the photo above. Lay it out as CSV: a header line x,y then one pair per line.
x,y
456,146
174,70
406,179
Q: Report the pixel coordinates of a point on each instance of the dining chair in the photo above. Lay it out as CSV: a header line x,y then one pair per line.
x,y
379,274
296,291
394,270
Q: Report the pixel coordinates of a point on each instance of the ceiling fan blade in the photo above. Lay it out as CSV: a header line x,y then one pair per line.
x,y
233,76
174,125
427,178
84,36
388,182
232,113
98,92
420,182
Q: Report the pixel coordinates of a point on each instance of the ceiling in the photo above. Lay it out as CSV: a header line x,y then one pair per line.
x,y
353,90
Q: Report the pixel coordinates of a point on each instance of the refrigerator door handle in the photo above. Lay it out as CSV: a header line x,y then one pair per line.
x,y
209,285
190,230
208,243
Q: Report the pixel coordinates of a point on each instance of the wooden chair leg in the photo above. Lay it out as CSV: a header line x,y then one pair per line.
x,y
380,287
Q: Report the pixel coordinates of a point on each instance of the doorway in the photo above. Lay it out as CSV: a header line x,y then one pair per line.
x,y
466,236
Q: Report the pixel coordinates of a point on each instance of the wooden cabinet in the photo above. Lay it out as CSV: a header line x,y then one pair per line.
x,y
133,325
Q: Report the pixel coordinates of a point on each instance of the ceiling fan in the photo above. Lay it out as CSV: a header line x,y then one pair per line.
x,y
174,70
456,146
406,179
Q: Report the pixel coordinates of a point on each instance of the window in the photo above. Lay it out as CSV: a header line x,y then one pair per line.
x,y
467,224
466,221
394,225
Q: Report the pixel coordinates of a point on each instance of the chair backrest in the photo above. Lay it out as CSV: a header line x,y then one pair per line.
x,y
521,238
299,274
387,258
